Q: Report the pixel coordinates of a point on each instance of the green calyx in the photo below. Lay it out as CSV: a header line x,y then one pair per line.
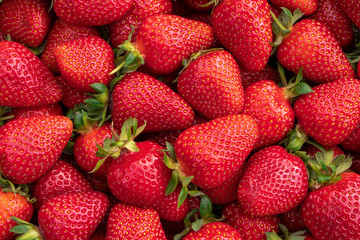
x,y
295,139
113,147
26,230
22,189
299,235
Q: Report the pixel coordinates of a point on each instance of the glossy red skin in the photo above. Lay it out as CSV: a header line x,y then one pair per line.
x,y
95,13
129,222
273,182
352,10
44,110
33,85
12,205
244,29
139,178
165,40
331,112
313,47
306,6
143,97
26,21
61,178
352,142
85,149
268,105
329,13
211,84
332,211
215,230
292,220
249,227
30,146
214,151
71,96
196,5
84,61
59,33
268,72
72,215
121,29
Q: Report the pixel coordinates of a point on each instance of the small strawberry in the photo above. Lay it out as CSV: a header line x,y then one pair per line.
x,y
84,61
30,146
244,29
26,21
352,10
211,84
215,230
273,182
45,110
30,83
305,6
94,13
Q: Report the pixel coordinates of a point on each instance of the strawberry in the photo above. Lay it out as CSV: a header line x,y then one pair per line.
x,y
60,179
273,182
215,230
305,6
244,29
352,142
93,13
292,220
214,151
330,14
26,21
331,112
211,84
84,61
198,5
59,33
28,84
45,110
129,222
30,146
121,29
248,226
71,97
143,97
268,72
352,10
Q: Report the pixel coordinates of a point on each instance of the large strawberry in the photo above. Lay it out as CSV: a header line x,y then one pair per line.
x,y
352,10
244,29
30,83
30,146
215,230
26,21
143,97
331,112
305,6
273,182
94,13
211,84
85,61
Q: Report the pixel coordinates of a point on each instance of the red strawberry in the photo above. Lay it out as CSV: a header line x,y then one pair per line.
x,y
30,146
352,10
45,110
143,97
244,29
72,215
330,14
331,112
59,33
60,179
94,13
214,151
211,84
71,96
129,222
273,182
26,21
215,230
30,83
248,226
121,29
267,72
305,6
292,220
352,142
84,61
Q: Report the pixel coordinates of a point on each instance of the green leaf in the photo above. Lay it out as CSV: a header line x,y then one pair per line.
x,y
205,207
130,58
328,157
21,229
100,149
182,196
140,130
343,167
301,88
196,193
169,162
131,146
197,224
323,179
323,166
99,87
322,149
272,236
173,183
93,104
185,180
99,164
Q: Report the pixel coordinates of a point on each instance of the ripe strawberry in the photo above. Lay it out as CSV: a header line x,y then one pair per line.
x,y
211,84
305,6
30,146
30,83
26,21
352,10
352,142
215,230
71,96
331,112
121,29
59,33
313,47
268,72
94,13
44,110
141,96
60,179
84,61
246,34
129,222
292,220
214,151
72,215
330,14
248,226
273,182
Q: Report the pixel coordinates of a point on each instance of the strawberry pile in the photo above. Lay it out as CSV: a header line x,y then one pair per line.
x,y
180,119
